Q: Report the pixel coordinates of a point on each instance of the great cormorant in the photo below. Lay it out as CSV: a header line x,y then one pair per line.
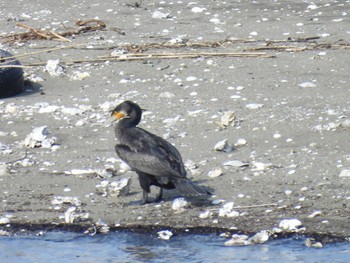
x,y
156,161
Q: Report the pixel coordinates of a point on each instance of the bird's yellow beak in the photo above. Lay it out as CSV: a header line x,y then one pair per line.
x,y
117,115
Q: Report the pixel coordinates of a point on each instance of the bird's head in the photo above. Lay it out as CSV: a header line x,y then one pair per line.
x,y
127,113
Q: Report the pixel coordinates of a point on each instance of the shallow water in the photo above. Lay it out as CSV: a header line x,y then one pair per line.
x,y
134,247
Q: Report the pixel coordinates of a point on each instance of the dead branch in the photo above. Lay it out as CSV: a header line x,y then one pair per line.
x,y
38,34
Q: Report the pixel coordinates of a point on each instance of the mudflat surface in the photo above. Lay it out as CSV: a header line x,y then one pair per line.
x,y
290,102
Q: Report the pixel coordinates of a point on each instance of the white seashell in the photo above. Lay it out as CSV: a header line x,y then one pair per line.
x,y
59,200
160,15
216,172
4,170
11,108
241,142
223,146
227,210
167,95
36,137
49,109
81,171
290,224
259,166
78,75
254,106
179,204
123,167
259,238
70,215
4,220
71,111
218,201
237,240
53,68
165,234
310,242
315,213
345,123
205,214
227,118
307,85
235,163
197,9
191,78
120,187
344,173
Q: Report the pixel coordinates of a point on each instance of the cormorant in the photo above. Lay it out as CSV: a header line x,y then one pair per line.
x,y
156,161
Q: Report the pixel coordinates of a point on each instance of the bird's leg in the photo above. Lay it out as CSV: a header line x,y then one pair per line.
x,y
144,197
160,195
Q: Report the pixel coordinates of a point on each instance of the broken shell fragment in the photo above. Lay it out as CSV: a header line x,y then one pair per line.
x,y
165,234
120,187
227,119
216,172
291,225
237,240
236,163
179,204
223,146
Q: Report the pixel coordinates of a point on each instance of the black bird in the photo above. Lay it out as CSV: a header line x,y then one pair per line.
x,y
155,160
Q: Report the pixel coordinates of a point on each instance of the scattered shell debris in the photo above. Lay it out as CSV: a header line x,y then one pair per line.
x,y
227,210
243,240
59,200
54,68
38,138
100,227
291,225
165,234
179,204
73,215
120,187
311,242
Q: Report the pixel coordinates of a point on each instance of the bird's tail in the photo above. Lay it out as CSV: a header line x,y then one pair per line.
x,y
189,188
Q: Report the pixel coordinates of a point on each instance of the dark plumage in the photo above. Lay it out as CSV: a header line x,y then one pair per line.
x,y
155,160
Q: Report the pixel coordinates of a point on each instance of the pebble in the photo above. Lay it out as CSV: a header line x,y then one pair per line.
x,y
197,9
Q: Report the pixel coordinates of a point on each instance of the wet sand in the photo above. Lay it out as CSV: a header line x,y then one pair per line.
x,y
290,105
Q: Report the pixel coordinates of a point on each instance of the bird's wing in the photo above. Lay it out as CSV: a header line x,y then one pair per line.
x,y
151,154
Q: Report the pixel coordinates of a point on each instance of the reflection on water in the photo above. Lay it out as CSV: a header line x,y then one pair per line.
x,y
130,247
